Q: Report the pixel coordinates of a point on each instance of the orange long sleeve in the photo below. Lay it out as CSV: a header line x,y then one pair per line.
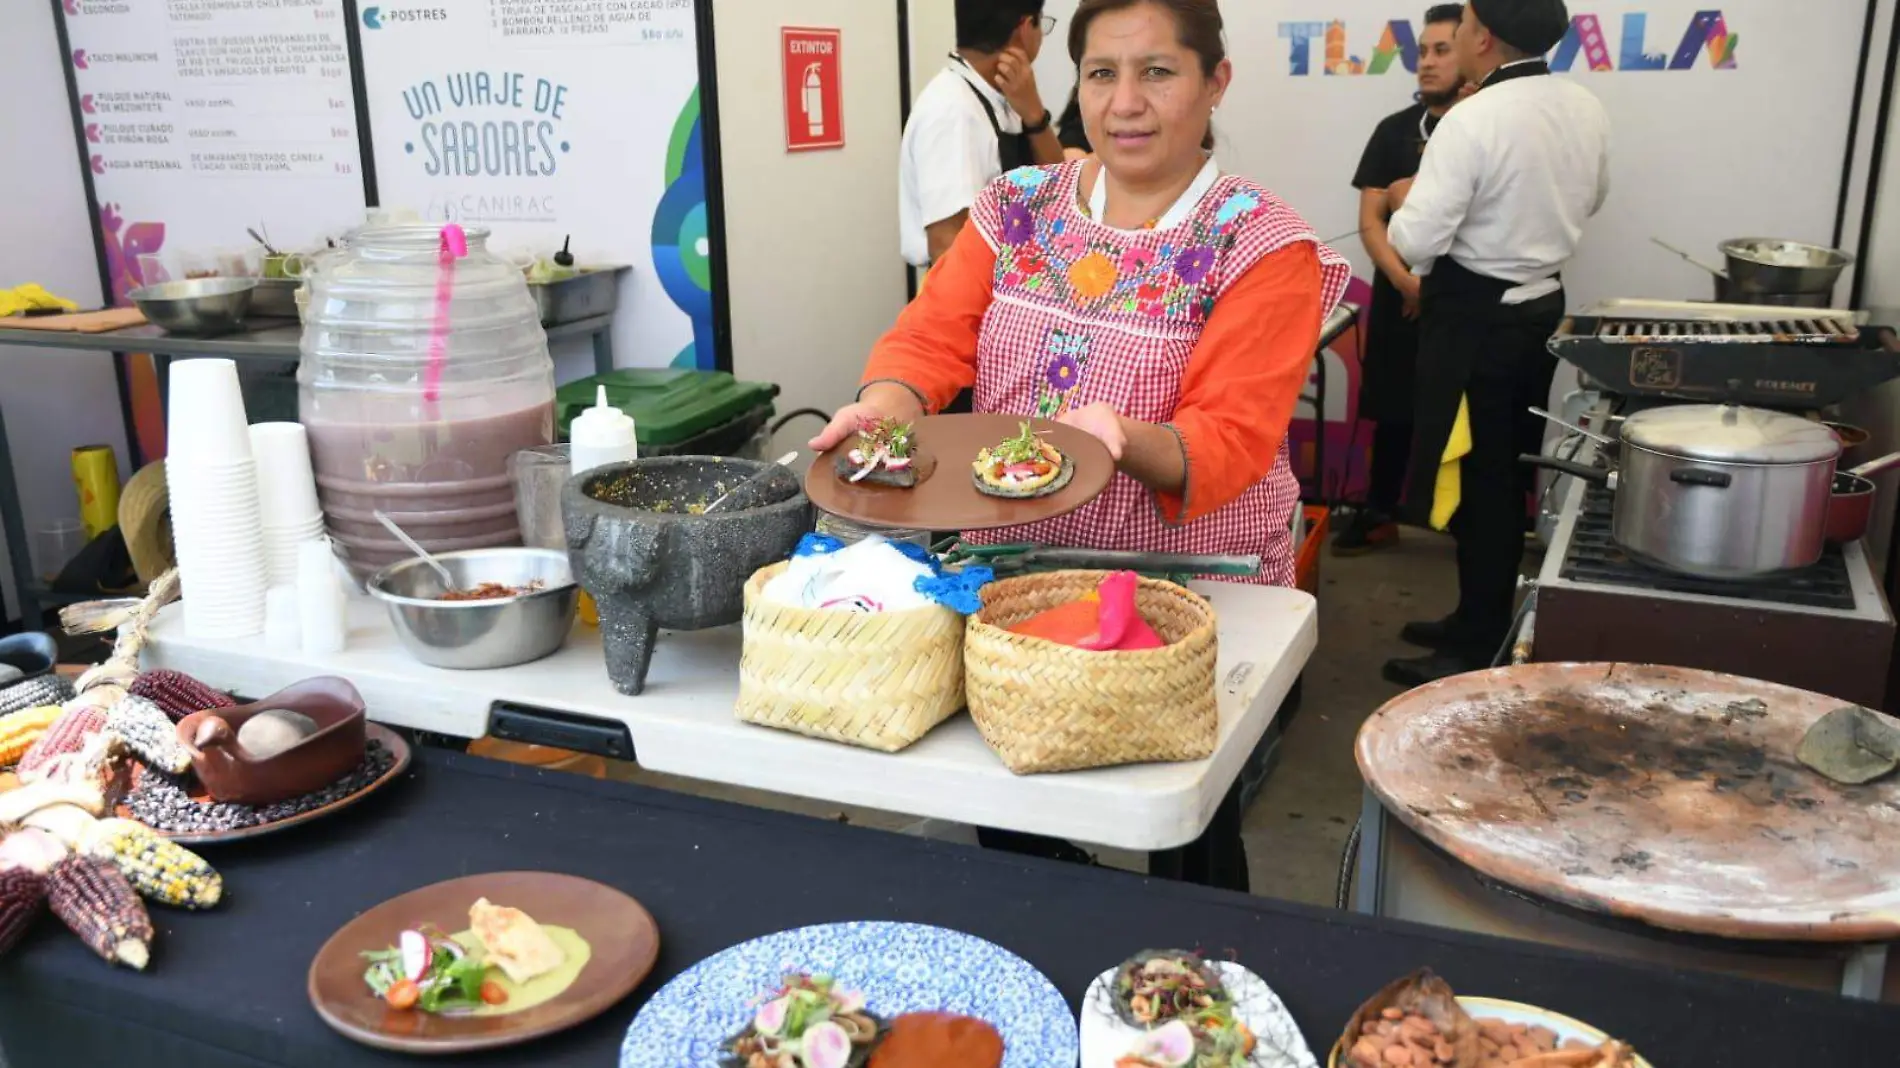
x,y
932,349
1243,380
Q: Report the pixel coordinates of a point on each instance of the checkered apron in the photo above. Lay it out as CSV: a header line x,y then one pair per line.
x,y
1084,313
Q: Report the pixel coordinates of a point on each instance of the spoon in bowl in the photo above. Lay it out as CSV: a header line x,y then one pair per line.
x,y
414,546
783,461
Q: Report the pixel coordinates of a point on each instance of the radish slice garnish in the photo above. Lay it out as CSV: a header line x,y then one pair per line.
x,y
847,1001
416,955
1171,1046
770,1019
826,1045
898,463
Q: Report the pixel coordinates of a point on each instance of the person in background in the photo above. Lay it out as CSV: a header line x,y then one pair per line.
x,y
1071,131
1140,296
1391,353
1498,207
980,117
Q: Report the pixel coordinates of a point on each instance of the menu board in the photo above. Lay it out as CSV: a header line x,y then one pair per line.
x,y
203,118
543,121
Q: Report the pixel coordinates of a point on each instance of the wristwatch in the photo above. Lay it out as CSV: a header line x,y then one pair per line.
x,y
1048,117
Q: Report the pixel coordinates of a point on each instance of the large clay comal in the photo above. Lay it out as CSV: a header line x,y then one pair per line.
x,y
649,562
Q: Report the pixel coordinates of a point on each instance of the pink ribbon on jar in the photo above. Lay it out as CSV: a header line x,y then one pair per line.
x,y
454,247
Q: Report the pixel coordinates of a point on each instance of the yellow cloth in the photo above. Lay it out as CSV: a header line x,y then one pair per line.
x,y
1450,485
29,296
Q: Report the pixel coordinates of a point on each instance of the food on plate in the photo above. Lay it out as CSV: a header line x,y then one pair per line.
x,y
22,893
467,974
1159,985
1211,1037
272,731
19,730
514,942
1023,466
96,902
809,1022
884,454
491,591
147,731
161,870
1417,1021
1515,1045
938,1040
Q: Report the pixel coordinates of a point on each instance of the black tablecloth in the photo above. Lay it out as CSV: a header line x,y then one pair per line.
x,y
226,988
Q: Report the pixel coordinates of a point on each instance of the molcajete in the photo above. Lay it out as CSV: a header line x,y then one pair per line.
x,y
638,548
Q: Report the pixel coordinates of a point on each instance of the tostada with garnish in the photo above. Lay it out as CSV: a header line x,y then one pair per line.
x,y
885,454
809,1022
1159,985
1024,466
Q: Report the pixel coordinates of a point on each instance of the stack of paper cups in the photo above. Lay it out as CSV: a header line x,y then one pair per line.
x,y
286,496
212,478
321,602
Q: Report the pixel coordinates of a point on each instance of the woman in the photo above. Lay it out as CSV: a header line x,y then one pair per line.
x,y
1142,296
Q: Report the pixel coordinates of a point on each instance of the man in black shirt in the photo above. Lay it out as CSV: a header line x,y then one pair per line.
x,y
1391,351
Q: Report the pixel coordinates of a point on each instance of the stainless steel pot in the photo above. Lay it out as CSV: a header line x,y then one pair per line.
x,y
1762,266
1719,491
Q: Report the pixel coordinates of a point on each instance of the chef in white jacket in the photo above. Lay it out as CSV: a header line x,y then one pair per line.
x,y
1506,185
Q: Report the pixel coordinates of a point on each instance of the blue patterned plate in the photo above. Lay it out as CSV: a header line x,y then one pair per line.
x,y
900,967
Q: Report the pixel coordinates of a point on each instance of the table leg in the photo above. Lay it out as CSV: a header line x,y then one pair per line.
x,y
1218,858
13,525
603,350
1865,976
162,371
1371,856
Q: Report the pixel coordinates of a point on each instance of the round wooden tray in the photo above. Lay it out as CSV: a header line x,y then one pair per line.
x,y
398,747
1661,794
946,498
620,932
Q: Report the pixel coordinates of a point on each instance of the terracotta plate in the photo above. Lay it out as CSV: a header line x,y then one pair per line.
x,y
947,497
398,747
617,928
1661,794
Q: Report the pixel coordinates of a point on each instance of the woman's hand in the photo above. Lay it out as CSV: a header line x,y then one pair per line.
x,y
1104,423
880,400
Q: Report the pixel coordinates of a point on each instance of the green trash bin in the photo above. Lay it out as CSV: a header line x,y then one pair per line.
x,y
679,412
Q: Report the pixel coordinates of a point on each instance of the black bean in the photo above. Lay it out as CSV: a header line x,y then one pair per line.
x,y
164,803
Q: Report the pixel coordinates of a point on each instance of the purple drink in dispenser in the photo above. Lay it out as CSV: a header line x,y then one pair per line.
x,y
423,372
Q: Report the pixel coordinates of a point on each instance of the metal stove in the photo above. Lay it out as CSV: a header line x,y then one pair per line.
x,y
1825,628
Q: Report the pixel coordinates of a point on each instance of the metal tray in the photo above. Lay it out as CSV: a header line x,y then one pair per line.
x,y
593,291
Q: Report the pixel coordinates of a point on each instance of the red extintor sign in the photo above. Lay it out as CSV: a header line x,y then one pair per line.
x,y
814,90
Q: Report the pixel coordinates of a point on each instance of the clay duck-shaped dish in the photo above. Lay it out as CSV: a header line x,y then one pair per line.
x,y
233,774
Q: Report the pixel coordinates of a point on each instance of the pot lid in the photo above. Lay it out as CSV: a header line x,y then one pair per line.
x,y
1731,434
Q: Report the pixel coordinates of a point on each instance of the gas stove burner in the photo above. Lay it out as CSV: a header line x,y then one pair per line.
x,y
1595,557
1771,357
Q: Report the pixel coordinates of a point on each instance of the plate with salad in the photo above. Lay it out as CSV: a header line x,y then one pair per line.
x,y
481,962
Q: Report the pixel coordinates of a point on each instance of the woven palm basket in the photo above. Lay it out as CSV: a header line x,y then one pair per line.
x,y
880,680
1044,706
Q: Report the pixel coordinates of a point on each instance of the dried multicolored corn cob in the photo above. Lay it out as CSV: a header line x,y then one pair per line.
x,y
162,870
148,731
17,805
22,894
68,734
19,730
98,904
45,690
177,694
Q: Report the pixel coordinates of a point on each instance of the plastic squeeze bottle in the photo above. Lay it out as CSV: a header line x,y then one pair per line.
x,y
600,435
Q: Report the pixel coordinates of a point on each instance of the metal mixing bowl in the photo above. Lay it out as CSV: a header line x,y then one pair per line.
x,y
196,307
473,635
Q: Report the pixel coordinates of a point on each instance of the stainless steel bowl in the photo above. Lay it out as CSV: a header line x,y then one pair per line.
x,y
1773,266
197,307
474,635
